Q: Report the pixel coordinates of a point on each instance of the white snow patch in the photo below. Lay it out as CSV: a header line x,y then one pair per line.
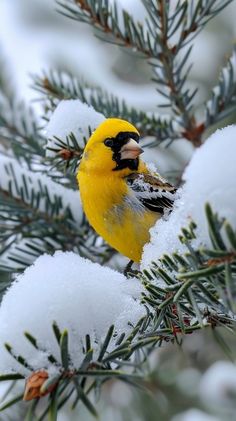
x,y
79,295
210,177
71,116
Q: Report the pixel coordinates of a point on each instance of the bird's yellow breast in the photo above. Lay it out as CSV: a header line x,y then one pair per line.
x,y
114,213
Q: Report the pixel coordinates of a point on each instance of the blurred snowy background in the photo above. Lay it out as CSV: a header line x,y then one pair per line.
x,y
34,37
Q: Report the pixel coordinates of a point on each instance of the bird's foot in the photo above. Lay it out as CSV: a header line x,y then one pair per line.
x,y
129,272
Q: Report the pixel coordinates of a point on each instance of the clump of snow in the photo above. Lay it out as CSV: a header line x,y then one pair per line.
x,y
218,385
79,295
210,177
71,116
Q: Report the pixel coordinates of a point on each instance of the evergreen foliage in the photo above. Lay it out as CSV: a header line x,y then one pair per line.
x,y
199,287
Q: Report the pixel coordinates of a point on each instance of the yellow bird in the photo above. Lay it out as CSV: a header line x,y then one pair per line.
x,y
121,198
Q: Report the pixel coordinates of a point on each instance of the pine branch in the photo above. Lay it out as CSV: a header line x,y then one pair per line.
x,y
223,95
170,70
190,17
200,288
79,382
187,17
57,86
20,133
36,216
104,17
19,129
66,156
200,291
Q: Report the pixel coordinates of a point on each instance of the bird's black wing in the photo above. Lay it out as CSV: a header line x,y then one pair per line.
x,y
155,193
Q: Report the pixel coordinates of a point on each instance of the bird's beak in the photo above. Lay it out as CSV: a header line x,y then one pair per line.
x,y
131,150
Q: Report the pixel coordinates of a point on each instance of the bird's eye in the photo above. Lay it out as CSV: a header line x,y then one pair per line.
x,y
109,142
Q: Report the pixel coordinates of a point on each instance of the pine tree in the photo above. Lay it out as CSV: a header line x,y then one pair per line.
x,y
183,292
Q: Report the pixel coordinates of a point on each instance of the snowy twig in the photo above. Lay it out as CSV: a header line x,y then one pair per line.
x,y
184,288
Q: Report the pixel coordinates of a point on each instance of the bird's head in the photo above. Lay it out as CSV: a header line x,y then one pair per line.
x,y
113,146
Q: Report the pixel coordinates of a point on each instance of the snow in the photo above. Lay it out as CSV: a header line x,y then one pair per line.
x,y
71,116
79,295
209,177
11,169
218,385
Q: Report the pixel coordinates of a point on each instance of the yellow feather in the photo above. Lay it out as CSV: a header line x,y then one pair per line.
x,y
104,194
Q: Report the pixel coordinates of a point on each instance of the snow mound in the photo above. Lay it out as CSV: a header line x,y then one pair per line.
x,y
81,296
210,177
71,116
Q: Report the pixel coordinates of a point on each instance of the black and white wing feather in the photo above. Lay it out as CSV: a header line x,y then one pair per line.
x,y
154,192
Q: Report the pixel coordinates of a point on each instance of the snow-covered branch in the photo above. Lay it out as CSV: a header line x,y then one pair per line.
x,y
208,178
80,296
71,117
58,86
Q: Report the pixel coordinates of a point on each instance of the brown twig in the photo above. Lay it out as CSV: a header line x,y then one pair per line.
x,y
104,26
192,131
219,260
